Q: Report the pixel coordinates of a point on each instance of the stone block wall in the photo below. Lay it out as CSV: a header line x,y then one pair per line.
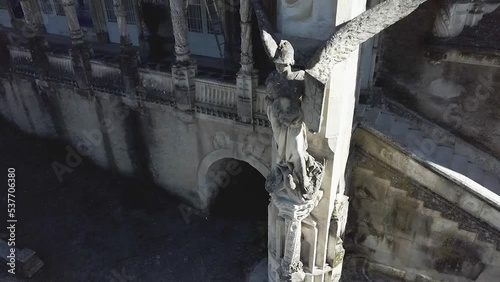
x,y
451,81
398,224
153,141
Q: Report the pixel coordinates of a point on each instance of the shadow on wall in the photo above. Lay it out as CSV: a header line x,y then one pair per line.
x,y
157,20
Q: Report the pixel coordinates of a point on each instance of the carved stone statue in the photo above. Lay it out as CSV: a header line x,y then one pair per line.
x,y
295,169
294,107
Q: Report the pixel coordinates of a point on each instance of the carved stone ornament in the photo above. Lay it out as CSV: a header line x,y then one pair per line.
x,y
295,181
294,102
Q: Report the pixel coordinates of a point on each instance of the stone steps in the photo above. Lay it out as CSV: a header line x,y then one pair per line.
x,y
442,157
446,226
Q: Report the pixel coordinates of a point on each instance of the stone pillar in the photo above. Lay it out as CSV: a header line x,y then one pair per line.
x,y
129,59
184,69
247,79
143,42
34,31
80,51
99,20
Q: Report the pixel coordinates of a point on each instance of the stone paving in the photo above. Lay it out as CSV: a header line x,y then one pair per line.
x,y
97,226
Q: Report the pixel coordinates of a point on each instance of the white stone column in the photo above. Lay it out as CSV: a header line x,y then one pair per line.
x,y
75,31
99,20
247,78
121,21
184,69
340,100
178,10
80,52
34,31
129,57
30,18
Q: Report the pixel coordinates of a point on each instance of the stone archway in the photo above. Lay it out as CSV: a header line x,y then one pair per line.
x,y
207,192
239,191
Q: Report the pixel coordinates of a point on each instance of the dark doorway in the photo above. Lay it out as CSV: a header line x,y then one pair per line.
x,y
242,202
242,194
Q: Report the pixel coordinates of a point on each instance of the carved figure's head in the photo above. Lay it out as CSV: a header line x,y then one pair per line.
x,y
284,54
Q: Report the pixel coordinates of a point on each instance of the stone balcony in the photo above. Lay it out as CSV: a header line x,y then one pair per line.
x,y
215,95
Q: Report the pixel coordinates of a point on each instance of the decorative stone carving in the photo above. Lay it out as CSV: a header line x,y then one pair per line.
x,y
178,10
247,79
75,32
294,183
458,14
296,178
38,45
184,85
184,69
80,52
129,57
82,68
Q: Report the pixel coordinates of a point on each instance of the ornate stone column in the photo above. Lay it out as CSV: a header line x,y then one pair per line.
x,y
80,51
129,58
184,69
34,31
143,42
99,20
293,210
247,79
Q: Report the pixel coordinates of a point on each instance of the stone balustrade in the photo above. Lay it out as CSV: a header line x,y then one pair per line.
x,y
212,97
156,81
60,66
216,94
21,60
260,108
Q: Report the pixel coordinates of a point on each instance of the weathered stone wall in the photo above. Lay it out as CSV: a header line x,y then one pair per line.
x,y
155,142
395,222
453,81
